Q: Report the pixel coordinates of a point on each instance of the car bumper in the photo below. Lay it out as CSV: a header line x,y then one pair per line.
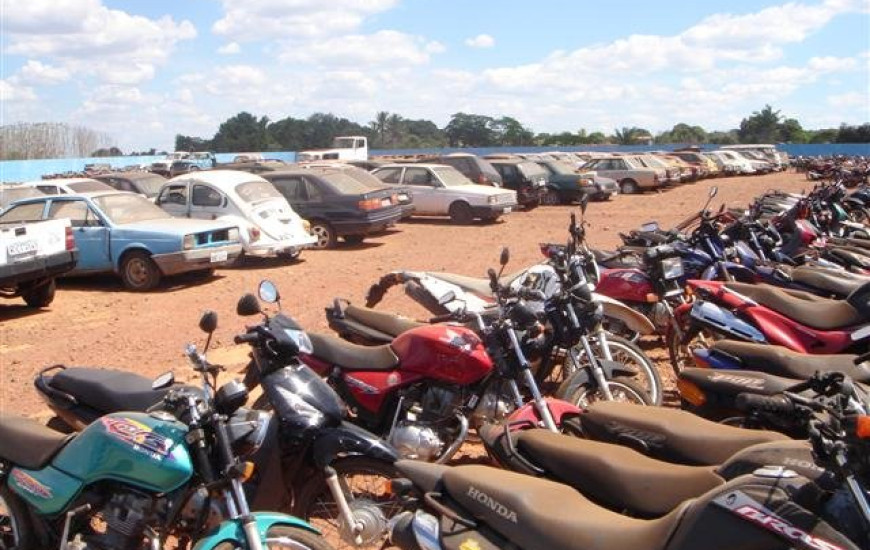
x,y
530,195
365,226
271,248
38,268
493,210
197,259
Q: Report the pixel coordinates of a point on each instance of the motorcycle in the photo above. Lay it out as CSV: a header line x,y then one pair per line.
x,y
771,507
130,480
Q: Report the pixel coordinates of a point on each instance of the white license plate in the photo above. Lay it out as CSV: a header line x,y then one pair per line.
x,y
386,202
403,197
220,256
506,209
22,247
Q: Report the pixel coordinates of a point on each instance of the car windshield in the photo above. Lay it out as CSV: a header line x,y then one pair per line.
x,y
88,186
348,185
451,177
129,208
365,178
531,170
257,191
653,162
149,185
560,167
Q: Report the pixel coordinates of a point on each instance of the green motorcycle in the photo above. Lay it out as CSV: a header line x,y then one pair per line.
x,y
133,481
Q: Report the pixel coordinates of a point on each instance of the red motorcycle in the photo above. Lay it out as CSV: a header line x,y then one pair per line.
x,y
424,390
797,320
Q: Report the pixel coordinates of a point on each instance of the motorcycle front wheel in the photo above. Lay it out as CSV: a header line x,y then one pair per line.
x,y
365,483
283,536
621,388
15,531
628,353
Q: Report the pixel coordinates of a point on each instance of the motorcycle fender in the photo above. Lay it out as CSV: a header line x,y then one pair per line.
x,y
722,321
738,271
583,376
232,530
349,439
632,319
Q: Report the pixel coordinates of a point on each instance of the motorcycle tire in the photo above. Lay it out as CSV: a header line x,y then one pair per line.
x,y
681,355
15,529
316,505
621,388
284,536
628,353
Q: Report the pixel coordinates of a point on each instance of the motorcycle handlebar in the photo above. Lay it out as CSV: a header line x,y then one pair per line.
x,y
749,402
247,338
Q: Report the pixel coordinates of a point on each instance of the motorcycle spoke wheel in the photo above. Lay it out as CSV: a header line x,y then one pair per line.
x,y
364,482
621,388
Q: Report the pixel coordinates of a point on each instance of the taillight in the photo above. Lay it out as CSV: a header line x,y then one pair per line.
x,y
394,199
253,234
370,204
691,392
70,240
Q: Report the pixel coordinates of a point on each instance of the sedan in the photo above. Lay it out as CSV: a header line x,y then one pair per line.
x,y
126,234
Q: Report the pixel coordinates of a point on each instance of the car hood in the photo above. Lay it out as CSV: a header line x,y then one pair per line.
x,y
178,226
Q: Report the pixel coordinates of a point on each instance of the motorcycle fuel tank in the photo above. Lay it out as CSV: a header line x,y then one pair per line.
x,y
453,354
627,285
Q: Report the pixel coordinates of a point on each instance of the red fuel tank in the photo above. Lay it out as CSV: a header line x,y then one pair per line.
x,y
627,285
450,353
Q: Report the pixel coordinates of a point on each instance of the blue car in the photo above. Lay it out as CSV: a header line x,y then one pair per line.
x,y
125,233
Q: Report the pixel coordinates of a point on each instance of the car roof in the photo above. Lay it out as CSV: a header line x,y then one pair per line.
x,y
57,181
415,165
302,171
131,175
218,177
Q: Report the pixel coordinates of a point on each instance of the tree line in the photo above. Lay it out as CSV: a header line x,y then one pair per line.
x,y
24,141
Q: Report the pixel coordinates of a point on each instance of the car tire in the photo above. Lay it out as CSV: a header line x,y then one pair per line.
x,y
461,213
354,239
292,256
628,187
41,295
325,234
139,272
550,198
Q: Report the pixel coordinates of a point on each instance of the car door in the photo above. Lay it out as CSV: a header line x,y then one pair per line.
x,y
206,202
173,199
293,189
91,234
430,197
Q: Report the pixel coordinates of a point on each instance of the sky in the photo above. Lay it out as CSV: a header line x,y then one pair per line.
x,y
144,71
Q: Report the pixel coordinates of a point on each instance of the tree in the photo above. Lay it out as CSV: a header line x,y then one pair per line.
x,y
465,130
724,138
683,133
190,143
243,132
108,152
508,131
630,136
854,134
790,131
761,127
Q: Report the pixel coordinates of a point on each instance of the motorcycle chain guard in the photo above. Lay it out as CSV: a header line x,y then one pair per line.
x,y
722,321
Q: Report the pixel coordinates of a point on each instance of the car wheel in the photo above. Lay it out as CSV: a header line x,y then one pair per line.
x,y
139,272
291,255
354,239
629,187
40,296
326,237
550,198
461,213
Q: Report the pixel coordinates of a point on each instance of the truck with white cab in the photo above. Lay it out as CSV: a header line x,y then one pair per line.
x,y
343,148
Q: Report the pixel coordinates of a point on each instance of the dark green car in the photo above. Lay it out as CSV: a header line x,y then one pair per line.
x,y
565,185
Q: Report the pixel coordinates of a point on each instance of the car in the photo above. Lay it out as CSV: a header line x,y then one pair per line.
x,y
32,254
670,175
144,183
125,233
565,185
687,172
268,224
336,204
61,186
643,161
477,169
706,167
404,194
192,161
11,192
255,166
732,162
441,190
631,178
523,176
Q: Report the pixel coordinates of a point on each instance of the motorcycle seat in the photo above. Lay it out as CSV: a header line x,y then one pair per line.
x,y
538,514
782,361
477,285
841,283
848,257
27,443
107,390
616,259
388,323
336,351
803,307
730,383
670,433
616,476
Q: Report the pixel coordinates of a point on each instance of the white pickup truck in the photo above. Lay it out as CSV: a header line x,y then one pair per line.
x,y
32,254
343,148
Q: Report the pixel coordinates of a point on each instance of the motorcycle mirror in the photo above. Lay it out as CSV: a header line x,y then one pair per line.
x,y
722,208
208,322
163,381
268,292
248,305
446,298
714,191
493,277
505,256
584,202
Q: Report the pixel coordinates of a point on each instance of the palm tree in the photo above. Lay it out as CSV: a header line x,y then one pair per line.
x,y
379,125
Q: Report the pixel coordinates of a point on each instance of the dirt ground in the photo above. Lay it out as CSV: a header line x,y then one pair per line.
x,y
96,322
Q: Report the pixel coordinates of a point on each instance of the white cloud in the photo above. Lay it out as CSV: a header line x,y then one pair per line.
x,y
230,49
480,41
300,19
366,50
851,99
13,93
34,72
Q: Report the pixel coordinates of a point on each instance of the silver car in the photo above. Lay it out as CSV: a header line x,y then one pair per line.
x,y
632,178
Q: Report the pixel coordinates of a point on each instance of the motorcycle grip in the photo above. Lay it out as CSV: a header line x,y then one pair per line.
x,y
246,338
749,402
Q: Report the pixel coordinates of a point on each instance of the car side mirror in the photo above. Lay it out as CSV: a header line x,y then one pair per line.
x,y
208,322
163,381
248,305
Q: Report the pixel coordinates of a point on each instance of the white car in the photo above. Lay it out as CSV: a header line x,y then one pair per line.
x,y
267,223
441,190
68,186
729,163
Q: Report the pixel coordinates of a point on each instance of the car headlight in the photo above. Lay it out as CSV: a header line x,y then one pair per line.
x,y
672,268
492,199
233,234
189,242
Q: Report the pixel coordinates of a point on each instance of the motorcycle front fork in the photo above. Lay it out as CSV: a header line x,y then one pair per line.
x,y
597,371
355,527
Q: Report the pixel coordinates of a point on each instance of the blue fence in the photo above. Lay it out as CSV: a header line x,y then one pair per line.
x,y
26,170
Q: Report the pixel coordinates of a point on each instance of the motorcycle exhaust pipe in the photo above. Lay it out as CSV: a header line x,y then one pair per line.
x,y
460,439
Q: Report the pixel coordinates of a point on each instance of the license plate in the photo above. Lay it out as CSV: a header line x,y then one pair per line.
x,y
220,256
386,202
22,247
506,209
403,197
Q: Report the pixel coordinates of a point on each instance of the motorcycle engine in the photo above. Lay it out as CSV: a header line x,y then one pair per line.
x,y
659,316
124,514
424,427
493,406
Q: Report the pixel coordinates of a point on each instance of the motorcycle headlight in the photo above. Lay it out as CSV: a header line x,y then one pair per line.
x,y
672,268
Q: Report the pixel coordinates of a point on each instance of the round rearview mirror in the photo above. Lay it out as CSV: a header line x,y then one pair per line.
x,y
269,292
208,322
505,256
163,381
248,305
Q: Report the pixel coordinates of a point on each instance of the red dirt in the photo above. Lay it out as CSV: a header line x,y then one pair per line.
x,y
95,322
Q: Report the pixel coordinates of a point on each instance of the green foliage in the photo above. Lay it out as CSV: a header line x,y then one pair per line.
x,y
630,136
724,138
854,134
108,152
762,127
683,133
469,131
190,143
